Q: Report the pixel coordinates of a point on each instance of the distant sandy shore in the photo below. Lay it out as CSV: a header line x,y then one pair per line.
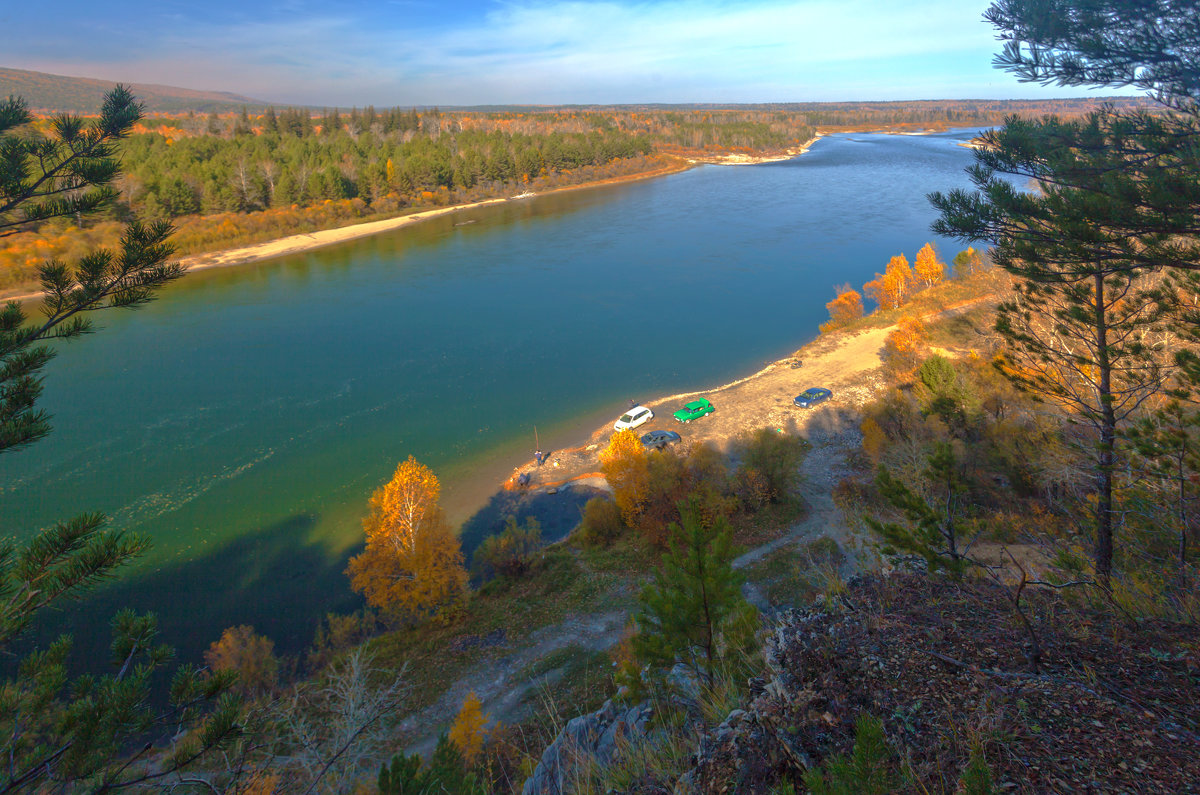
x,y
296,244
751,160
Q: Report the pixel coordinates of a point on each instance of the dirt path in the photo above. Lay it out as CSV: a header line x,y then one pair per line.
x,y
848,364
496,681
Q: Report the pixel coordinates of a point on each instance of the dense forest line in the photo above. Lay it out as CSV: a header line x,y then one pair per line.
x,y
240,177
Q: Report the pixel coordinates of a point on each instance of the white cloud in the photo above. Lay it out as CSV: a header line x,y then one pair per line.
x,y
606,51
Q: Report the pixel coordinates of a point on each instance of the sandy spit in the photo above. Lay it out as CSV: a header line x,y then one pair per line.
x,y
751,160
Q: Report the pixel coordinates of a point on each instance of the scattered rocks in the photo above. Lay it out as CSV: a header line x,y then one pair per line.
x,y
593,739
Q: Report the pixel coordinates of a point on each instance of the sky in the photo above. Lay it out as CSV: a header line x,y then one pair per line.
x,y
480,52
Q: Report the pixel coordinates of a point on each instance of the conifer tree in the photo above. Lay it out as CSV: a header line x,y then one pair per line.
x,y
695,599
1117,195
60,734
932,518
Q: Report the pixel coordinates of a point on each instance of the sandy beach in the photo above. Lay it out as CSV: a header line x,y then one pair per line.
x,y
296,244
739,159
848,364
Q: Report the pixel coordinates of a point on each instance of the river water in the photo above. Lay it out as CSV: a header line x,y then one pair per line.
x,y
243,418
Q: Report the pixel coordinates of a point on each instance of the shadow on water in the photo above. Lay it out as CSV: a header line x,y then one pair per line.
x,y
269,580
558,514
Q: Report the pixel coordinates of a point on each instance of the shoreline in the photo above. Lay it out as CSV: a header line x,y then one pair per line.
x,y
847,362
754,160
309,241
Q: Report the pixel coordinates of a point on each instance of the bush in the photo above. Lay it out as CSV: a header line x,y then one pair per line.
x,y
602,523
510,553
770,467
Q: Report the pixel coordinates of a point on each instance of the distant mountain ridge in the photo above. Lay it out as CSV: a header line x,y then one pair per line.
x,y
48,92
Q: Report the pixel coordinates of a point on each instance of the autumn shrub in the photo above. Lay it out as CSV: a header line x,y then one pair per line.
x,y
904,347
470,728
626,469
509,553
602,523
770,464
844,309
337,633
250,655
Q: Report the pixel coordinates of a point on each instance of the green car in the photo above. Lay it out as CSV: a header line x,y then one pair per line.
x,y
694,410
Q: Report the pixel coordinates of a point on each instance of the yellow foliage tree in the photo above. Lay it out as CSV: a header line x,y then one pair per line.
x,y
928,268
844,309
891,288
468,730
413,563
968,262
250,655
625,468
902,347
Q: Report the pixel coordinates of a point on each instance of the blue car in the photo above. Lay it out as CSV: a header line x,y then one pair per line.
x,y
811,397
657,440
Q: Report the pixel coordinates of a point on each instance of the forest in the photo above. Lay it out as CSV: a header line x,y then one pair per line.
x,y
236,178
995,588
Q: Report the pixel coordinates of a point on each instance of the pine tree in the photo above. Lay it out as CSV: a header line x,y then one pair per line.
x,y
57,733
1078,329
695,599
932,516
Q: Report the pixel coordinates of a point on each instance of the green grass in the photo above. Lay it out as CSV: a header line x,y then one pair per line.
x,y
792,576
561,586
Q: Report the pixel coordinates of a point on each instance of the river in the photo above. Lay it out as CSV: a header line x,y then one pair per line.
x,y
243,418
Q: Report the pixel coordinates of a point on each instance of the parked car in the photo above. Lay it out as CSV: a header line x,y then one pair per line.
x,y
811,397
638,415
694,410
657,440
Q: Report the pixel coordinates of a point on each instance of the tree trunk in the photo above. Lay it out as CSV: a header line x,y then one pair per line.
x,y
1108,432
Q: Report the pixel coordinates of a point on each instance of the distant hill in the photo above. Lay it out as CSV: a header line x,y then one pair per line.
x,y
47,92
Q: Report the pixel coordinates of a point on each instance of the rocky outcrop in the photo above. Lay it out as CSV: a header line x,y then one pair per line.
x,y
590,740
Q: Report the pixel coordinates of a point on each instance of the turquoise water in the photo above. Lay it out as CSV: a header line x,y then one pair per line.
x,y
243,419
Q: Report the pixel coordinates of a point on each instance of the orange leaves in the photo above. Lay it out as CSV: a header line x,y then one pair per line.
x,y
898,282
468,730
413,563
844,309
403,505
928,268
627,471
903,346
250,655
891,288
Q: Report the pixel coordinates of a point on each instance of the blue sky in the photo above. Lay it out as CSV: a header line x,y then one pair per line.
x,y
465,52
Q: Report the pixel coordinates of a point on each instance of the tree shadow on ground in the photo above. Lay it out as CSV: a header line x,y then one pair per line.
x,y
558,514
